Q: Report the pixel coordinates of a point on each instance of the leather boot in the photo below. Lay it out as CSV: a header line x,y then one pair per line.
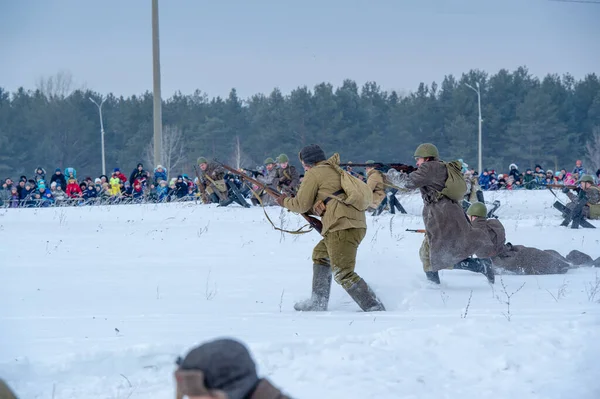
x,y
434,277
478,265
365,297
321,288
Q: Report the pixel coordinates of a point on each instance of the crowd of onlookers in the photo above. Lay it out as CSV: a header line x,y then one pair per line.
x,y
64,188
531,179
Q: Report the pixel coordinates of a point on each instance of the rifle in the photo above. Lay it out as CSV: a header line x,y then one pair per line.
x,y
400,167
312,221
255,173
416,230
561,186
203,193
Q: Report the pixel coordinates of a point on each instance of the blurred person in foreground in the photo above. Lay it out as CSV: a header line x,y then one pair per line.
x,y
222,369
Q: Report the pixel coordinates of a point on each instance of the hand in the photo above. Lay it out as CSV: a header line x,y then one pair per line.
x,y
565,190
281,198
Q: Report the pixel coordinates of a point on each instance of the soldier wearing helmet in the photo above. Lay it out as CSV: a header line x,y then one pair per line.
x,y
270,179
517,259
287,176
584,205
448,242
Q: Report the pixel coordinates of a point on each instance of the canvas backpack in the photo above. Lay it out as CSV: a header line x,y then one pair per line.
x,y
358,193
456,187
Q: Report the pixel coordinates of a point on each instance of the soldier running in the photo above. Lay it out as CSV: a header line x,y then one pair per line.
x,y
344,228
448,242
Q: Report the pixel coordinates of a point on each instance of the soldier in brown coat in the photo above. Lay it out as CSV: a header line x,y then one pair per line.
x,y
344,228
586,204
448,242
376,182
514,258
222,369
287,176
213,179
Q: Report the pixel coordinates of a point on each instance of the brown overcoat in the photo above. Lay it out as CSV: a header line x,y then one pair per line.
x,y
376,184
518,258
447,227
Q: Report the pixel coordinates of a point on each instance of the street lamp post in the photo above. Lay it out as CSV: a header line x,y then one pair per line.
x,y
479,163
101,133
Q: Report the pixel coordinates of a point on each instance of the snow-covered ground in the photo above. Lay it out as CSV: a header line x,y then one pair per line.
x,y
97,302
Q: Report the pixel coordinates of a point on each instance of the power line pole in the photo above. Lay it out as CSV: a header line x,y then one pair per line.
x,y
480,161
156,86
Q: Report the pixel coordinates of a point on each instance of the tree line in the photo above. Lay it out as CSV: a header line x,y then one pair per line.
x,y
527,120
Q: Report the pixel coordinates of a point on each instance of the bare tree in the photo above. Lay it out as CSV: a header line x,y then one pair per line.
x,y
239,157
173,154
59,86
592,152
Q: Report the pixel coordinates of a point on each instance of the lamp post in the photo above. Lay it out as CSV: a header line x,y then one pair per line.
x,y
479,163
101,133
157,104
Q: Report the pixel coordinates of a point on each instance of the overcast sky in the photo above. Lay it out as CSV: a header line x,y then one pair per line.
x,y
254,46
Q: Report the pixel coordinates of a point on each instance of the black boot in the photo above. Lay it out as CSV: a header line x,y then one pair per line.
x,y
434,277
226,202
478,265
321,288
365,297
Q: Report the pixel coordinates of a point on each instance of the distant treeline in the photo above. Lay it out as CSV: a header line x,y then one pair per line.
x,y
526,120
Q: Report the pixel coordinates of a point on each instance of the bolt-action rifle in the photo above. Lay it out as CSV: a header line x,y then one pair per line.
x,y
416,230
312,221
561,186
400,167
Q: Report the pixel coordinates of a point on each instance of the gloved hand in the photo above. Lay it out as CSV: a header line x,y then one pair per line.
x,y
281,198
565,190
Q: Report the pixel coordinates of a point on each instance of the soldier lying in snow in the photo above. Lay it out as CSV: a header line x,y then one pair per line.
x,y
518,258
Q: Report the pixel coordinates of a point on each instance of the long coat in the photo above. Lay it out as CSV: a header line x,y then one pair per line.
x,y
519,258
377,185
447,227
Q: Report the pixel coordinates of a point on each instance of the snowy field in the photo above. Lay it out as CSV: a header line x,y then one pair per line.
x,y
97,302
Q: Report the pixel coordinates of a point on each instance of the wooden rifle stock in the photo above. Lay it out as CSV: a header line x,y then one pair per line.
x,y
416,230
313,222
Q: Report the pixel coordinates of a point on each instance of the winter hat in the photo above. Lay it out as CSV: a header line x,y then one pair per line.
x,y
140,164
57,170
97,180
53,184
41,186
227,366
311,154
512,166
116,170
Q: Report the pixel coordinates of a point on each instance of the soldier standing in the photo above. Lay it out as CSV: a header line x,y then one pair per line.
x,y
586,204
287,176
344,227
448,242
